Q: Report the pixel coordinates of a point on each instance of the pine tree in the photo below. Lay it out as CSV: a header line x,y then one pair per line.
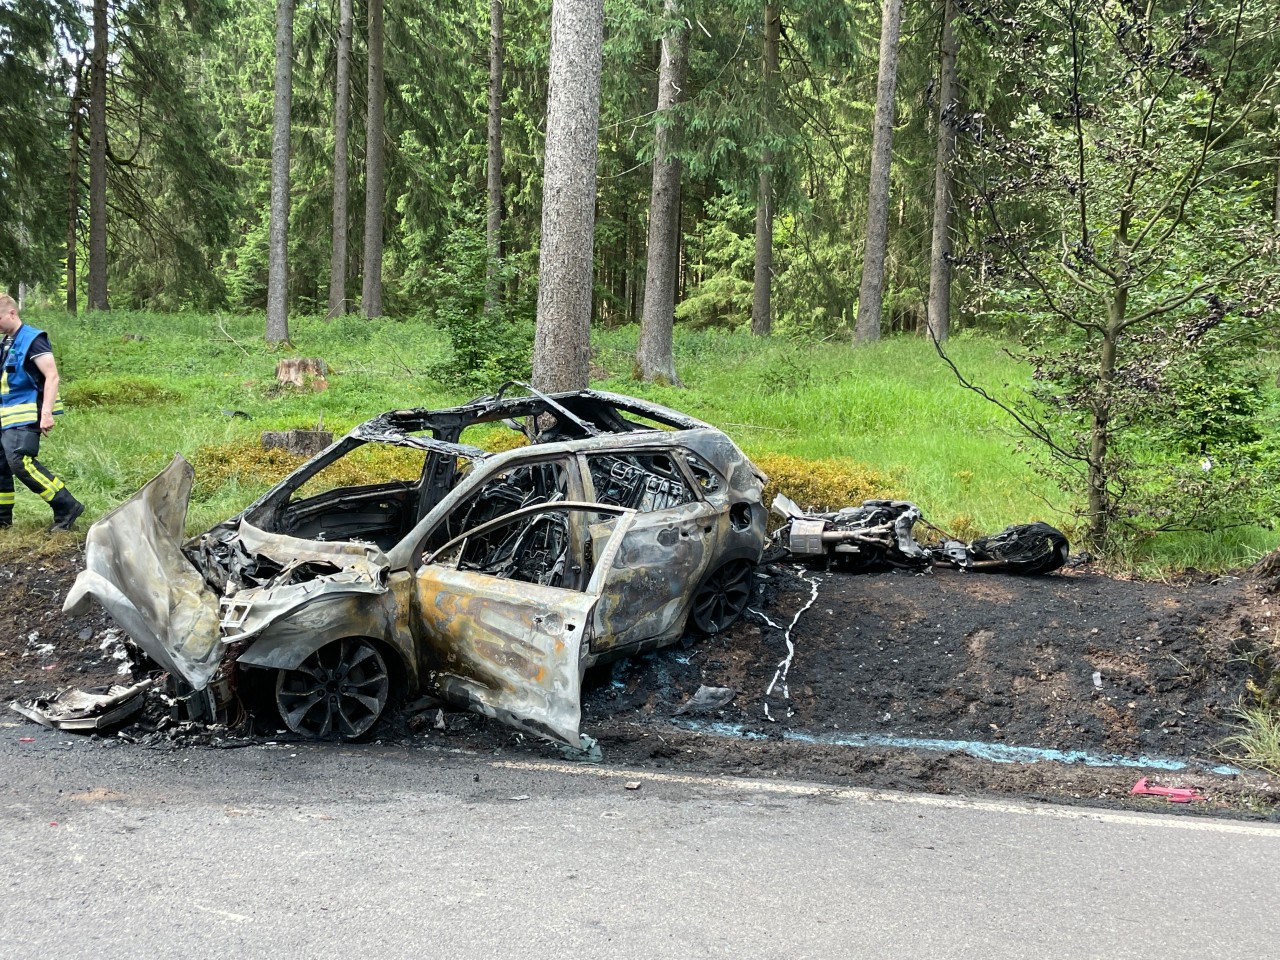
x,y
562,343
654,354
872,291
278,280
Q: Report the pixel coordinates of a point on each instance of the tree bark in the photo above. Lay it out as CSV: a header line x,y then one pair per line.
x,y
375,169
562,343
939,266
278,236
74,122
1100,500
1276,218
655,354
762,286
493,225
341,131
871,294
97,299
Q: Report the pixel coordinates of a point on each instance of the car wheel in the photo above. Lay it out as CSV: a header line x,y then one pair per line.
x,y
337,692
720,599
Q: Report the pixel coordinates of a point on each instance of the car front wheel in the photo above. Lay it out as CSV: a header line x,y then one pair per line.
x,y
338,692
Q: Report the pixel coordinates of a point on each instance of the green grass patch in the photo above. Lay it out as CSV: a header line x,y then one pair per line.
x,y
116,391
1256,742
832,424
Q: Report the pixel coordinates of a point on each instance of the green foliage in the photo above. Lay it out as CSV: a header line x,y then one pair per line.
x,y
1125,229
116,391
33,112
490,345
721,264
1257,740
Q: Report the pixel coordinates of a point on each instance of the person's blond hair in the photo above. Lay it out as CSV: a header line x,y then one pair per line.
x,y
7,303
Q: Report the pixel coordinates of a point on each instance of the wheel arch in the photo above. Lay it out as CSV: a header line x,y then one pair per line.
x,y
282,649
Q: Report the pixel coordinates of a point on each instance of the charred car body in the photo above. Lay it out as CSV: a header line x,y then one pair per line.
x,y
490,579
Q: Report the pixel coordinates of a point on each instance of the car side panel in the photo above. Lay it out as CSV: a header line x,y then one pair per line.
x,y
648,587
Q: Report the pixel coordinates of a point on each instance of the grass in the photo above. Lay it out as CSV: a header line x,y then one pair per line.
x,y
831,422
1257,740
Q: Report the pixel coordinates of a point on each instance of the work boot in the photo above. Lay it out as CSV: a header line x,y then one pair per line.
x,y
66,510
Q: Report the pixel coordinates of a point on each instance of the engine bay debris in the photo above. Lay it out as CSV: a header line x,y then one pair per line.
x,y
880,533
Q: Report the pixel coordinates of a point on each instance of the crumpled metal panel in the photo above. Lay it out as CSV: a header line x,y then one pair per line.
x,y
508,650
659,563
85,709
362,569
169,611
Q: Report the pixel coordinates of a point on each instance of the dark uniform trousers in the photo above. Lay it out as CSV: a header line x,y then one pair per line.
x,y
21,446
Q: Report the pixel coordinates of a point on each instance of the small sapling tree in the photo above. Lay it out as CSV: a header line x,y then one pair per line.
x,y
1129,235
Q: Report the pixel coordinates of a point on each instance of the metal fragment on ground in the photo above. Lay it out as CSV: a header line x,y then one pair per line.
x,y
86,709
880,534
707,699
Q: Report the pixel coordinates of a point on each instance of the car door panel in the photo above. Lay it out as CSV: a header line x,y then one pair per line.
x,y
660,558
511,649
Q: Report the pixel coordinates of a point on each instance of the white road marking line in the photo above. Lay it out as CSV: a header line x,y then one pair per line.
x,y
868,796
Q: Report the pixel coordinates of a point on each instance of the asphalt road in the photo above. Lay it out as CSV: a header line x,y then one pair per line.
x,y
354,851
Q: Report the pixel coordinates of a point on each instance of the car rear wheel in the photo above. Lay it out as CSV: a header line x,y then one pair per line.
x,y
720,599
337,692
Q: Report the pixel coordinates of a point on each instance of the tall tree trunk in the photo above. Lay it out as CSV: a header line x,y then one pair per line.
x,y
654,354
278,237
871,294
97,299
762,287
375,169
493,225
74,122
1100,499
562,343
341,130
939,266
1276,219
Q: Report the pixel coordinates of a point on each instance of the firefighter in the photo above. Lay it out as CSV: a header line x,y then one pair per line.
x,y
28,404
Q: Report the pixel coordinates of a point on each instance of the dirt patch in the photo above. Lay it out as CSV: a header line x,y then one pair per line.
x,y
1074,661
41,649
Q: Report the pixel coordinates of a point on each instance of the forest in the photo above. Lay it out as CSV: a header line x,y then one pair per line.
x,y
1091,186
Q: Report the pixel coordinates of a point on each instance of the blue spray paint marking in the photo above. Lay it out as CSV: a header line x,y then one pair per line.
x,y
995,752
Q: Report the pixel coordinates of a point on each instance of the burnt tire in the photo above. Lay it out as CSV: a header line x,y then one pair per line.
x,y
722,597
337,693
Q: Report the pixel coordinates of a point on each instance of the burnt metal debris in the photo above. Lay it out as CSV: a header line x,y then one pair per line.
x,y
87,710
880,534
491,580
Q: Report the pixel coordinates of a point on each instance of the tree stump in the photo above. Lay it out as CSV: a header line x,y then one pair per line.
x,y
305,373
302,443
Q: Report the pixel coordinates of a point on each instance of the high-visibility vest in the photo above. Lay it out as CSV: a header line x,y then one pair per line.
x,y
19,391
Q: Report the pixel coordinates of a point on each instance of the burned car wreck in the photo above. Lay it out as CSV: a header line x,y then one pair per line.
x,y
491,580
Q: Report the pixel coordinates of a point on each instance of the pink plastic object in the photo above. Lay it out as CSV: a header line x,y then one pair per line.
x,y
1175,794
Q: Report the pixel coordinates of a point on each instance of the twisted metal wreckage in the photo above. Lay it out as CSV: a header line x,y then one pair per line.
x,y
880,533
491,580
